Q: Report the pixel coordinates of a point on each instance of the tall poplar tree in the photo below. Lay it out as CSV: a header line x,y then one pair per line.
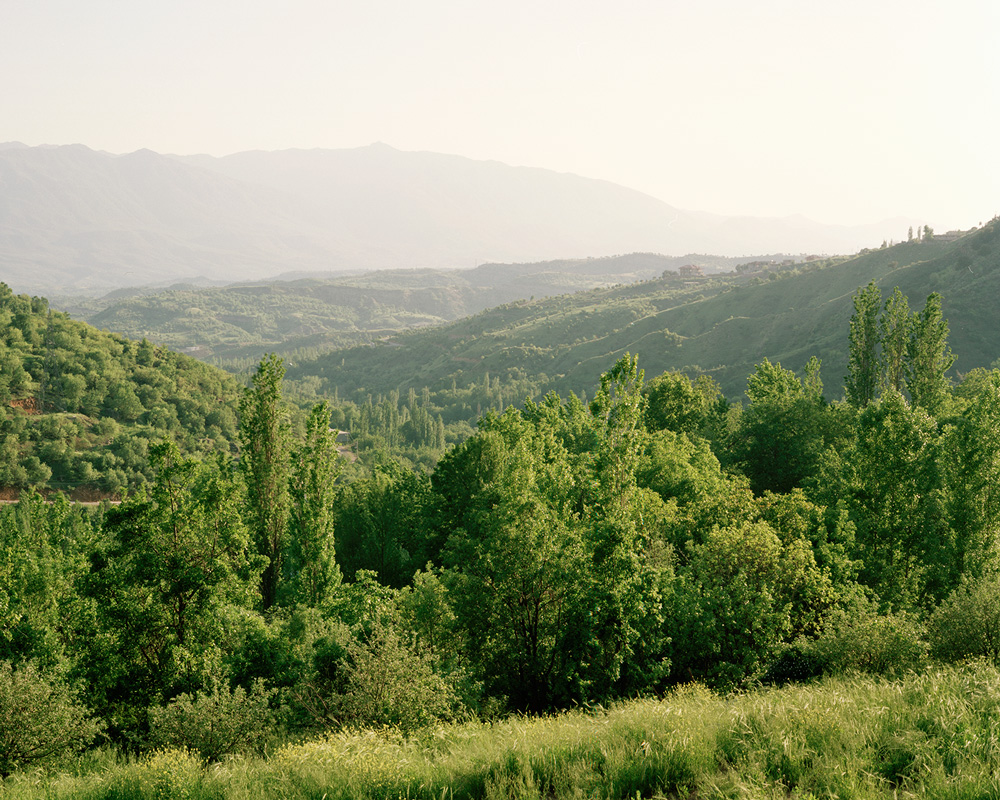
x,y
894,328
265,461
929,357
863,368
311,567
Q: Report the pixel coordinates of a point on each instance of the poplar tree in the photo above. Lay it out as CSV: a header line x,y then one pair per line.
x,y
265,461
812,384
929,357
862,380
311,566
894,329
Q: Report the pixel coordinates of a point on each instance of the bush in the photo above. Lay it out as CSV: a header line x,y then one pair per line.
x,y
796,662
374,678
216,722
40,719
390,683
967,624
859,638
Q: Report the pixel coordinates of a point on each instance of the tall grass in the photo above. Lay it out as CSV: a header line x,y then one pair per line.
x,y
930,735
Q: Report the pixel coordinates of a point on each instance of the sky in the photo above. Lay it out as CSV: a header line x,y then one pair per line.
x,y
846,112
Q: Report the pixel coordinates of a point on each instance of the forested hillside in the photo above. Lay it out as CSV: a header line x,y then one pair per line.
x,y
566,551
718,325
79,408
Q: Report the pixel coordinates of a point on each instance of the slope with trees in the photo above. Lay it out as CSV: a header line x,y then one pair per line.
x,y
233,326
80,409
721,326
565,553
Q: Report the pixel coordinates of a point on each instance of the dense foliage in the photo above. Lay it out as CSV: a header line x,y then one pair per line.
x,y
79,408
564,553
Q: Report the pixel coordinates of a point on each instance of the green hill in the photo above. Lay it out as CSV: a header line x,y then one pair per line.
x,y
234,326
79,407
722,325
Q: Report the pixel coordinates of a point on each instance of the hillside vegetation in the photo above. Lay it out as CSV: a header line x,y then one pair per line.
x,y
366,624
79,408
234,326
564,554
720,325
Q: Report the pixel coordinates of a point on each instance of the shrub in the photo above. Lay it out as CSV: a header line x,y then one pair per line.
x,y
216,722
391,683
860,638
967,624
374,678
40,718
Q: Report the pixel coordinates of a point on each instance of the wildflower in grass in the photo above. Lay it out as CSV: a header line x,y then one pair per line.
x,y
170,773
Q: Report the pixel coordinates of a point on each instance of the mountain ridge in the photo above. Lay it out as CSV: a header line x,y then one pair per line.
x,y
80,219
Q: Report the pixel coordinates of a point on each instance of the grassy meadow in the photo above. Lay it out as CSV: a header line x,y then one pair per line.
x,y
934,734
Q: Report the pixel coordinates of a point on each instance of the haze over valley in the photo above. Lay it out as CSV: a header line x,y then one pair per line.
x,y
76,220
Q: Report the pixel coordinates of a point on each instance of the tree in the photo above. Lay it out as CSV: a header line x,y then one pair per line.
x,y
772,383
625,591
971,466
618,408
894,332
680,468
517,562
311,565
379,522
929,357
778,444
890,480
862,379
812,384
43,557
778,440
265,461
177,560
742,593
676,404
555,555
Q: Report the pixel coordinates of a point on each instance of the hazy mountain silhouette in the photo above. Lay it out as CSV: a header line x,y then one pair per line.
x,y
75,218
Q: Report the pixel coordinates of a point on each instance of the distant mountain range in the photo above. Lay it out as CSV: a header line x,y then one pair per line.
x,y
75,219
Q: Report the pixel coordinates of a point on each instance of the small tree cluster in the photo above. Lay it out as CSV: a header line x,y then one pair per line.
x,y
894,349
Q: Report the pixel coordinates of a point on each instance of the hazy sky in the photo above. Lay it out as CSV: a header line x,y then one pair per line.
x,y
846,111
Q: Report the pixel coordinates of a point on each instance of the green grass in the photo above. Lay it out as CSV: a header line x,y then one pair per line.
x,y
933,735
